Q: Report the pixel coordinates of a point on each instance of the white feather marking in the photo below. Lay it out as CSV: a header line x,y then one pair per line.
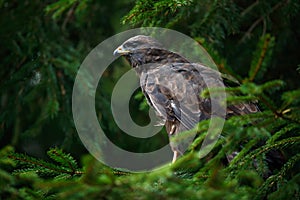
x,y
172,129
173,105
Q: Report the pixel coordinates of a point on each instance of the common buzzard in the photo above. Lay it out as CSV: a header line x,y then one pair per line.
x,y
172,86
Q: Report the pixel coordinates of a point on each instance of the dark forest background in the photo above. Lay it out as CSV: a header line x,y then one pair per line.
x,y
43,44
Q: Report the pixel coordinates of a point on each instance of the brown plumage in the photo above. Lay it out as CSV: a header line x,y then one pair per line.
x,y
172,86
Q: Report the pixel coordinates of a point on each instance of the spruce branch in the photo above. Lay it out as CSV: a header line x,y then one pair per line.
x,y
282,132
70,13
64,159
259,20
277,145
265,46
249,8
277,113
272,180
68,164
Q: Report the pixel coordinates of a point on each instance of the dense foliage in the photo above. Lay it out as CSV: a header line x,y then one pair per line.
x,y
42,46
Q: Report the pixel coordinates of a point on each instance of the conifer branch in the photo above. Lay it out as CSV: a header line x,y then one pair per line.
x,y
249,8
41,166
271,181
261,58
69,15
260,19
277,145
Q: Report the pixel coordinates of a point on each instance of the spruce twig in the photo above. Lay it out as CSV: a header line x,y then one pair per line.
x,y
260,60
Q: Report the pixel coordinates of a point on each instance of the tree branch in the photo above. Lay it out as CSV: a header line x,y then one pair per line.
x,y
253,26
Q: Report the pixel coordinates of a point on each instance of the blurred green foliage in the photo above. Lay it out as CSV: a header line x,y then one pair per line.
x,y
42,46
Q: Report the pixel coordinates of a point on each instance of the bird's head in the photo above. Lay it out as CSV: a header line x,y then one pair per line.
x,y
136,43
142,49
137,50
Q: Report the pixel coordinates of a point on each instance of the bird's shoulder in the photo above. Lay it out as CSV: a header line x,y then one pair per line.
x,y
192,72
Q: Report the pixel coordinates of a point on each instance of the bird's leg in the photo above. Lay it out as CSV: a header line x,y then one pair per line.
x,y
175,156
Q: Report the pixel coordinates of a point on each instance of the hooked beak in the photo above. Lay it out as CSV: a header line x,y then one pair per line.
x,y
120,51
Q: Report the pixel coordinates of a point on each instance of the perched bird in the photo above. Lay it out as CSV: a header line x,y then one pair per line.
x,y
172,86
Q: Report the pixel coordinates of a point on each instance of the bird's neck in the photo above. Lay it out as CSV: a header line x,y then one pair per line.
x,y
145,59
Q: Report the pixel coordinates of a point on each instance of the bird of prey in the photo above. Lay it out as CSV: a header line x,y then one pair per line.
x,y
172,86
